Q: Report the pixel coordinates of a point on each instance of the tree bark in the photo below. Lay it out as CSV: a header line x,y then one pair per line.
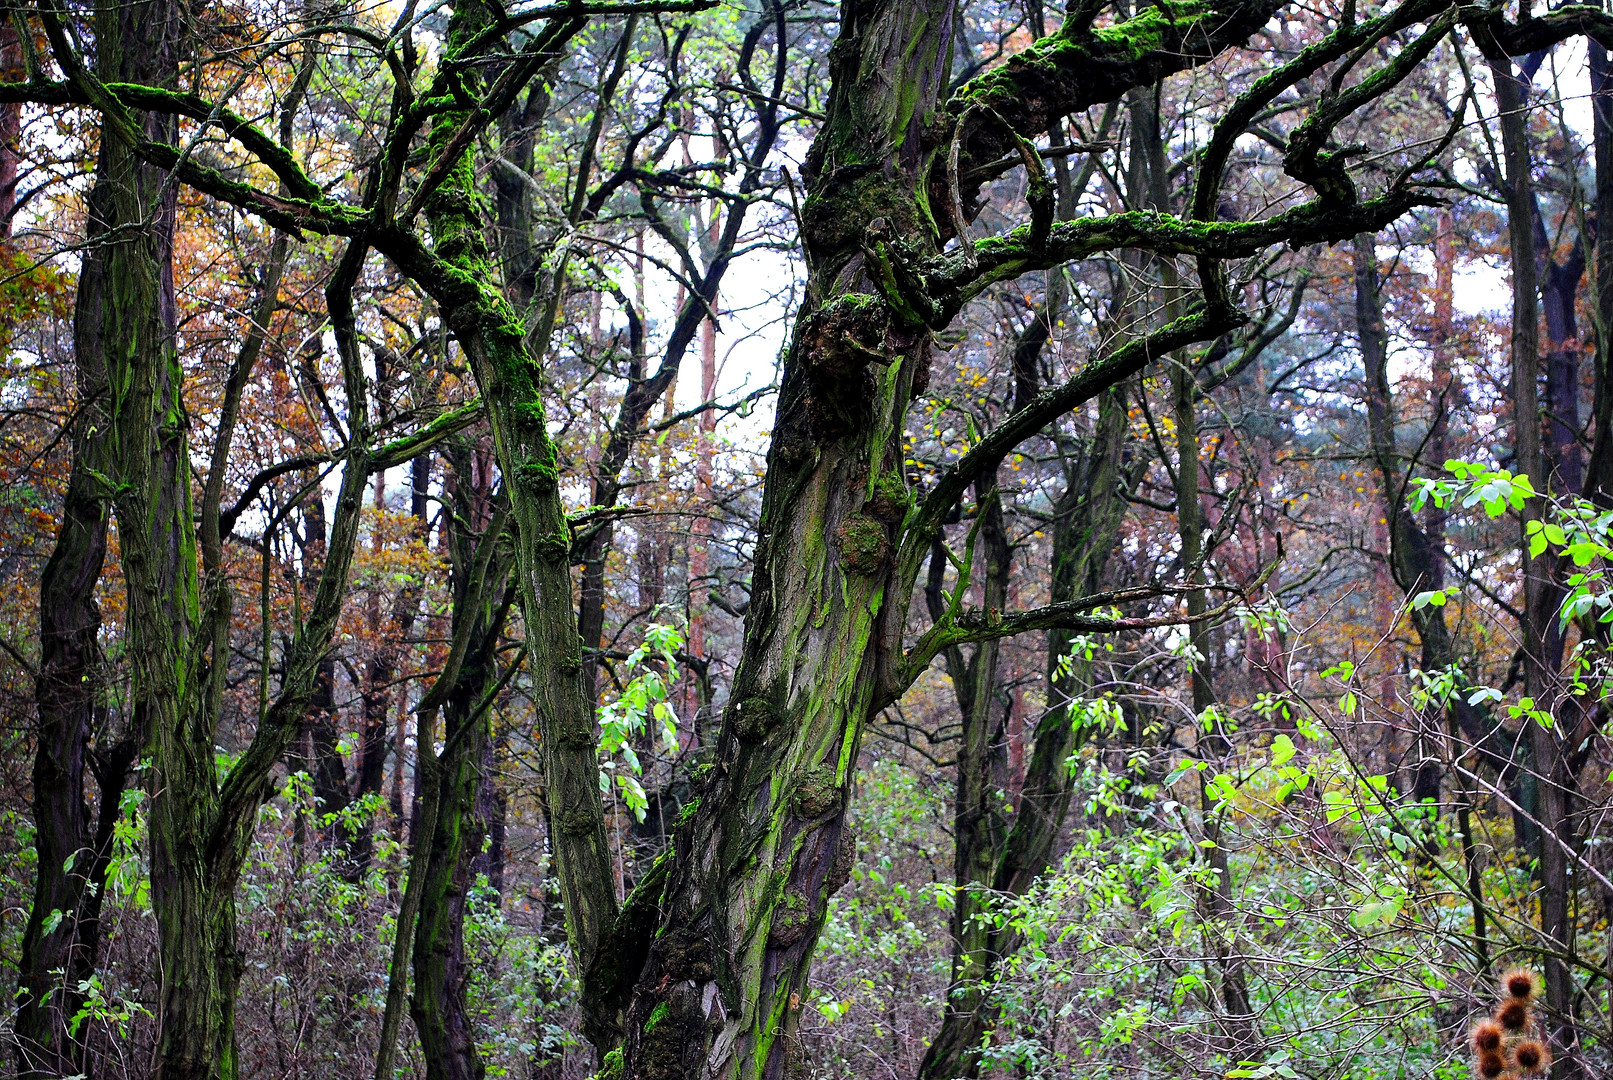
x,y
123,322
1599,468
459,274
1542,641
459,825
12,69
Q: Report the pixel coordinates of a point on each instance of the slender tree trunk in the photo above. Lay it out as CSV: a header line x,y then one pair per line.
x,y
379,694
1213,744
994,849
332,792
1542,643
1599,469
1150,187
979,818
494,340
68,695
1414,561
1008,856
460,823
11,70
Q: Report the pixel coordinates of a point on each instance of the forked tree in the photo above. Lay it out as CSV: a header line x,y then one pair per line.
x,y
702,972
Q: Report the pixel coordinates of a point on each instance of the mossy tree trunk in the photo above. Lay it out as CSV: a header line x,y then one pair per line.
x,y
721,988
840,542
735,909
458,271
482,598
122,332
1542,643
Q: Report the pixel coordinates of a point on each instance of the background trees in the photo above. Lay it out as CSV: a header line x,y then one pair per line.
x,y
678,540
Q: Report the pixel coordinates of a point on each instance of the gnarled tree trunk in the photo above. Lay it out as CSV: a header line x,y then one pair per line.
x,y
123,326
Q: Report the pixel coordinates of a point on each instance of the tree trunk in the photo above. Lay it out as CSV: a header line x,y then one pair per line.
x,y
1214,746
123,324
1599,469
459,273
68,694
1414,561
979,819
721,989
459,823
12,69
1542,641
1086,521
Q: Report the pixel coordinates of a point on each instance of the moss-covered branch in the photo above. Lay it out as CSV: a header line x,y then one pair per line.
x,y
976,625
1047,406
1081,66
1311,59
951,281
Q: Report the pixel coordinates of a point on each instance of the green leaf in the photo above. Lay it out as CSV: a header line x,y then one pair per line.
x,y
1282,750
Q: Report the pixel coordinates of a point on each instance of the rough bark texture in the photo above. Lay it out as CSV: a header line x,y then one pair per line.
x,y
1599,468
123,330
458,824
459,274
720,992
68,697
11,70
1542,641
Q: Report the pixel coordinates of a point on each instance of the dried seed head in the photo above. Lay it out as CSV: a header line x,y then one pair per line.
x,y
1532,1057
1514,1015
1487,1037
1519,984
1491,1066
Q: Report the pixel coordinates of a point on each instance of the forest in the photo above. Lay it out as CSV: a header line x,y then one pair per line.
x,y
791,540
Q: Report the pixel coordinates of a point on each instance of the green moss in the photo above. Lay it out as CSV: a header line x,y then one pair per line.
x,y
834,219
666,1038
1146,32
792,919
611,1068
530,413
686,815
864,544
754,717
888,498
817,793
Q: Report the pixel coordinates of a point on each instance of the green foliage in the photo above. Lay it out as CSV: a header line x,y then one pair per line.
x,y
626,721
